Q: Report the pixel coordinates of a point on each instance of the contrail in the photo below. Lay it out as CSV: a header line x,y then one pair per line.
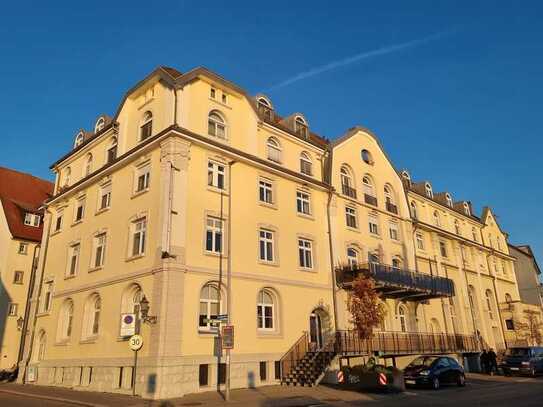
x,y
358,57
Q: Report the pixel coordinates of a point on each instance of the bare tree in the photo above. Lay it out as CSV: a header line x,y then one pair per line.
x,y
529,328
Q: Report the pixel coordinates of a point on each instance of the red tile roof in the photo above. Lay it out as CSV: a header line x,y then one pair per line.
x,y
21,193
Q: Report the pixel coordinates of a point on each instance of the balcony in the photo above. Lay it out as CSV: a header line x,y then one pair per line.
x,y
348,191
348,343
370,199
397,283
392,208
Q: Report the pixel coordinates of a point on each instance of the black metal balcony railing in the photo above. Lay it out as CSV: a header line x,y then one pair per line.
x,y
405,343
370,199
348,191
392,208
398,283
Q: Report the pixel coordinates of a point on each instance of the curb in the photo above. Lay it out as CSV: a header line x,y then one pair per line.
x,y
59,399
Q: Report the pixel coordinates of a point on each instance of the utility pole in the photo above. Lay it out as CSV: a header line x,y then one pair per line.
x,y
229,278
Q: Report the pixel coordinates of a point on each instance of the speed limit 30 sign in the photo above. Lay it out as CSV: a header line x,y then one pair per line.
x,y
135,342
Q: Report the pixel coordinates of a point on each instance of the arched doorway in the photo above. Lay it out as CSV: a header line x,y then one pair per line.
x,y
319,322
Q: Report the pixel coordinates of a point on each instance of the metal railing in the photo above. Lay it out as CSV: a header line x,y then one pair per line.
x,y
370,199
404,343
348,191
293,356
385,275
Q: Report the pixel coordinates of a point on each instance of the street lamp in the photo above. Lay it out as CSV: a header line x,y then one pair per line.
x,y
144,308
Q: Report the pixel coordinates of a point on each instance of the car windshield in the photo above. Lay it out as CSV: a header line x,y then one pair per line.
x,y
518,352
423,361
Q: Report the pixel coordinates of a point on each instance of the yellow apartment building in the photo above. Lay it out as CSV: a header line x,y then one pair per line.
x,y
194,189
21,196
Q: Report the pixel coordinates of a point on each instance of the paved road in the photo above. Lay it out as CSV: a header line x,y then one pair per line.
x,y
12,400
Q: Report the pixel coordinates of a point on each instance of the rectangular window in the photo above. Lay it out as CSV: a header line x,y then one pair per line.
x,y
277,370
215,175
420,241
350,217
12,310
18,277
112,154
510,324
139,230
305,252
212,93
303,203
203,376
373,225
73,262
263,371
266,245
393,231
143,178
222,373
443,248
146,130
23,248
79,209
32,219
224,98
99,250
47,296
58,223
105,197
214,233
265,191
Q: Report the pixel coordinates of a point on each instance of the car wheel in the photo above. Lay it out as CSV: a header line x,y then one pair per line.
x,y
435,383
461,380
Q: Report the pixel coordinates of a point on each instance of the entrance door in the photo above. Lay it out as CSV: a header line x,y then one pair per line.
x,y
315,330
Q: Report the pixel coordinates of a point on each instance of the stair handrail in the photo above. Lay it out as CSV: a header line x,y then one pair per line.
x,y
330,341
298,346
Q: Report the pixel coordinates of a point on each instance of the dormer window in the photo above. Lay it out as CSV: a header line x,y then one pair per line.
x,y
428,190
216,125
449,200
146,128
265,108
466,209
300,127
406,176
78,139
32,219
100,124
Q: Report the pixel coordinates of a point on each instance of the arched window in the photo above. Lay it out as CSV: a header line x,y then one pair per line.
x,y
449,200
508,298
457,227
428,189
67,176
216,125
112,150
79,139
396,263
88,164
265,108
146,127
367,185
488,298
209,306
347,183
467,211
306,164
300,127
265,311
390,201
91,319
264,102
65,320
406,176
130,303
100,124
274,150
413,208
352,257
402,318
437,221
366,157
474,234
39,354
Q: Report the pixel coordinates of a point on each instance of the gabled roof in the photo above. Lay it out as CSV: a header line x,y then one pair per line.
x,y
21,193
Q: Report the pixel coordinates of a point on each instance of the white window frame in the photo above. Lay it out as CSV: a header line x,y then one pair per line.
x,y
216,175
266,241
74,256
58,224
419,237
306,165
12,309
265,191
105,191
139,231
31,219
214,228
261,307
352,260
80,203
143,174
373,224
99,250
305,253
351,213
23,248
208,301
393,231
303,202
443,250
216,125
273,150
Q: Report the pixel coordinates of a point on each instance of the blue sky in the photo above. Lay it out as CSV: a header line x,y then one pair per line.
x,y
453,89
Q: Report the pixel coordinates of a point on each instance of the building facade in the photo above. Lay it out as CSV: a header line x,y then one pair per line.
x,y
194,190
21,196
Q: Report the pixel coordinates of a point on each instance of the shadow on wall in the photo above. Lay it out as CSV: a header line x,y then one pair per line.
x,y
4,305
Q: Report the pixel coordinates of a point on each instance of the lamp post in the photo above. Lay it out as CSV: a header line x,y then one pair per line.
x,y
144,309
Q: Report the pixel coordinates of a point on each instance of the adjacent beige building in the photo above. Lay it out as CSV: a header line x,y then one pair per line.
x,y
194,189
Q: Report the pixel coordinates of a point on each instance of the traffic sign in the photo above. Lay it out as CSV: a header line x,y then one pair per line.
x,y
128,324
227,336
340,377
135,342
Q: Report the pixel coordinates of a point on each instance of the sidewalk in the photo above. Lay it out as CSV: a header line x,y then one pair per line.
x,y
267,396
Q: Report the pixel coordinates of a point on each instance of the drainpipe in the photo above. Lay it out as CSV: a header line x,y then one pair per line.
x,y
45,239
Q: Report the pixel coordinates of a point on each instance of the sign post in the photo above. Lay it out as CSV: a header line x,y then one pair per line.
x,y
135,342
227,336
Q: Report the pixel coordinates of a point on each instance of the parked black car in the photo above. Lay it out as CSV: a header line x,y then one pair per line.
x,y
434,371
525,360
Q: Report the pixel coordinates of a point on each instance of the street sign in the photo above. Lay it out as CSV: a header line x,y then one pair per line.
x,y
340,377
227,336
128,324
136,342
